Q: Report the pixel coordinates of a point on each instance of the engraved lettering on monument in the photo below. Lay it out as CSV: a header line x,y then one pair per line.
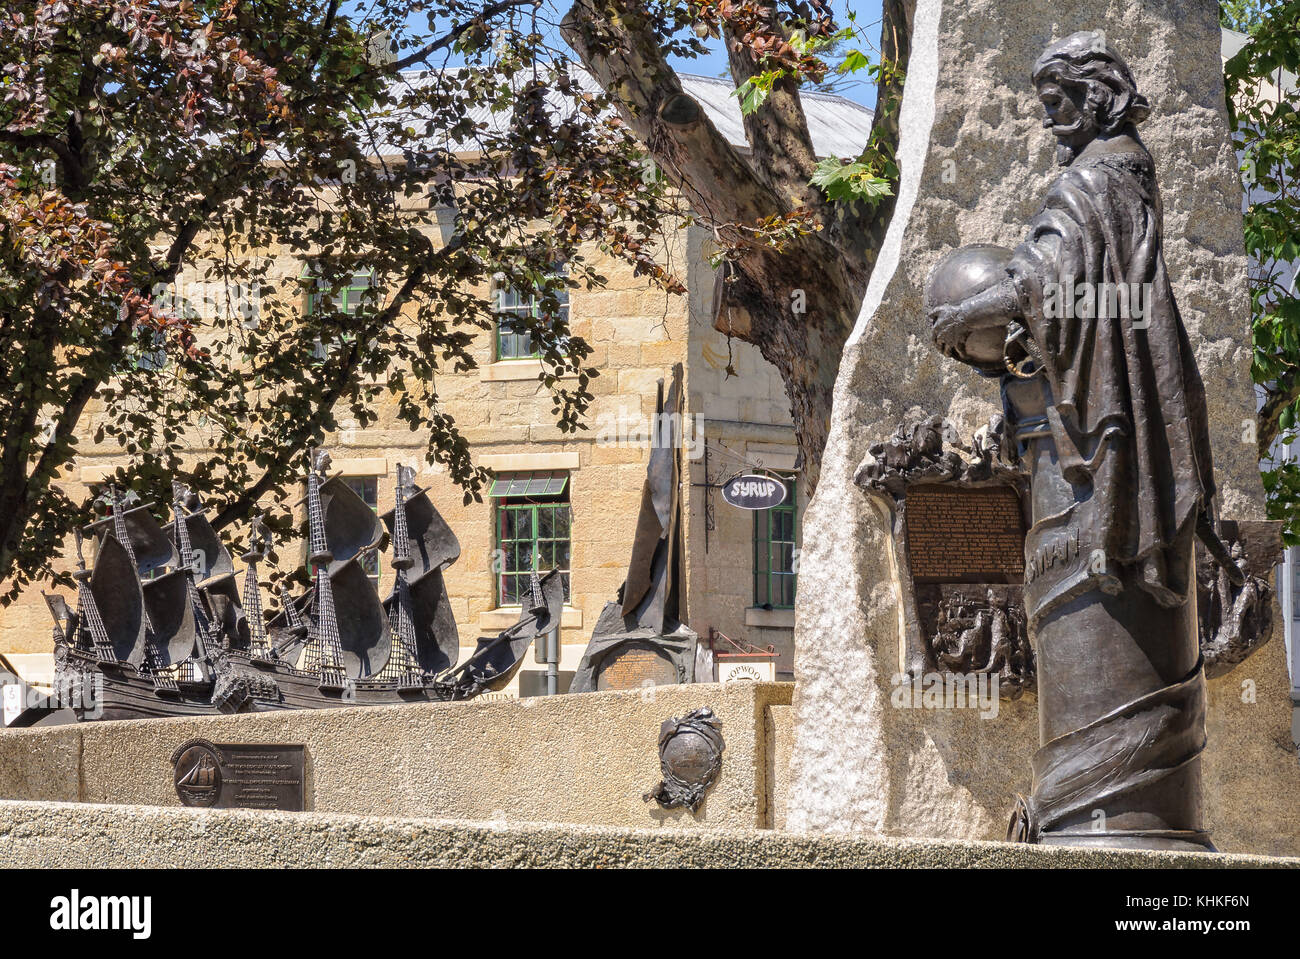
x,y
957,535
244,775
958,517
635,666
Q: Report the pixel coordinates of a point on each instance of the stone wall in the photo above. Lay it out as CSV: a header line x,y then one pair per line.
x,y
748,427
36,835
583,759
976,164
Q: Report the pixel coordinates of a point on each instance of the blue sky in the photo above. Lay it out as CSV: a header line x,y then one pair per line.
x,y
862,91
715,64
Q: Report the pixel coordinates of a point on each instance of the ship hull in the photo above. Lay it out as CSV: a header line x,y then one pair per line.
x,y
300,690
128,694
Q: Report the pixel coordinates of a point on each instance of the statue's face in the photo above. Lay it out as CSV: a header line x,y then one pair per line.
x,y
1068,116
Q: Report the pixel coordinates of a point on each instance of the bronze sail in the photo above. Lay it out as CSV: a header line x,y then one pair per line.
x,y
351,527
214,577
119,600
496,659
433,547
363,629
648,608
151,546
341,528
168,633
175,631
654,571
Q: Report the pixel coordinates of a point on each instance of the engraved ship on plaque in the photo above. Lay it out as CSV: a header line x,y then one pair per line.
x,y
161,626
202,775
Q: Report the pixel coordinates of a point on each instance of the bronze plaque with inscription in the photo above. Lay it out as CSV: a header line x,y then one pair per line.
x,y
633,666
239,776
965,534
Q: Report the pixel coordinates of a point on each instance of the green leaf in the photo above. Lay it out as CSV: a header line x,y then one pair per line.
x,y
855,60
753,94
844,182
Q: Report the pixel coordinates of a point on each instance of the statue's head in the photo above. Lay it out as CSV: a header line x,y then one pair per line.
x,y
1087,90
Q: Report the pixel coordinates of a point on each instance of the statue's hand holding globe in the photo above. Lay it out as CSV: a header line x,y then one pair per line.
x,y
963,326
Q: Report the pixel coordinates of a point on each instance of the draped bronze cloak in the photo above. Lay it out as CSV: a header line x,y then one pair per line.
x,y
1128,415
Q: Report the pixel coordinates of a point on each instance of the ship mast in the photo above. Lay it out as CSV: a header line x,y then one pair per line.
x,y
403,662
329,648
259,538
161,681
291,616
202,623
89,609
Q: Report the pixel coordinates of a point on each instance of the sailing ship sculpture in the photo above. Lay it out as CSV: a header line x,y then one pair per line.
x,y
161,624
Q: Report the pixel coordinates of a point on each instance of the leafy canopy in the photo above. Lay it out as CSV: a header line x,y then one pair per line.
x,y
1263,104
164,164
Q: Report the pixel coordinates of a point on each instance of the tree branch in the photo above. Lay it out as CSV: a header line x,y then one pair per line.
x,y
1284,394
46,140
618,48
487,13
783,154
292,444
857,226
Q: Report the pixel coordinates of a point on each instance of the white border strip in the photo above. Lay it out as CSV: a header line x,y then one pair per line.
x,y
915,120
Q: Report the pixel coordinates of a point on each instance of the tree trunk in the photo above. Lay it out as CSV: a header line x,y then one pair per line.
x,y
797,306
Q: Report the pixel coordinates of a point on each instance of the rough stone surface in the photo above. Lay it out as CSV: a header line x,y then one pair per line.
x,y
80,836
41,764
583,759
780,744
976,164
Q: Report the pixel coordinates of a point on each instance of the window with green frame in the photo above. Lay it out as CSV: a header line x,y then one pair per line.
x,y
349,299
531,512
514,342
150,351
775,551
367,487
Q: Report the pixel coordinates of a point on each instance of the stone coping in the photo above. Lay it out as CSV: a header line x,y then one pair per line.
x,y
80,835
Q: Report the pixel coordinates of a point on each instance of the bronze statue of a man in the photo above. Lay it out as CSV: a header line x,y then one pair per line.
x,y
1107,411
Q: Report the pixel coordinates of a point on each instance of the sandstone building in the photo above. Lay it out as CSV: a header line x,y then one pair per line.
x,y
571,500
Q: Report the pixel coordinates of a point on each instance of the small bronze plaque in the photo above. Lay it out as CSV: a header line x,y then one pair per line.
x,y
690,758
239,776
633,666
965,535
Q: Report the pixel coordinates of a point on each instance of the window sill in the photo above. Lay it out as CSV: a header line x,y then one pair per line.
x,y
495,620
505,370
769,618
510,370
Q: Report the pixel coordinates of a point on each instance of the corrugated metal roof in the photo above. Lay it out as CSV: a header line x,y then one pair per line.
x,y
1232,43
837,125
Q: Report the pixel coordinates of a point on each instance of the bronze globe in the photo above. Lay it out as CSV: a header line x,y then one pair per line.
x,y
960,274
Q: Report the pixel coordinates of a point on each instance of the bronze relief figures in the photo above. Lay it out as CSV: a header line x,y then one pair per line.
x,y
1107,410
